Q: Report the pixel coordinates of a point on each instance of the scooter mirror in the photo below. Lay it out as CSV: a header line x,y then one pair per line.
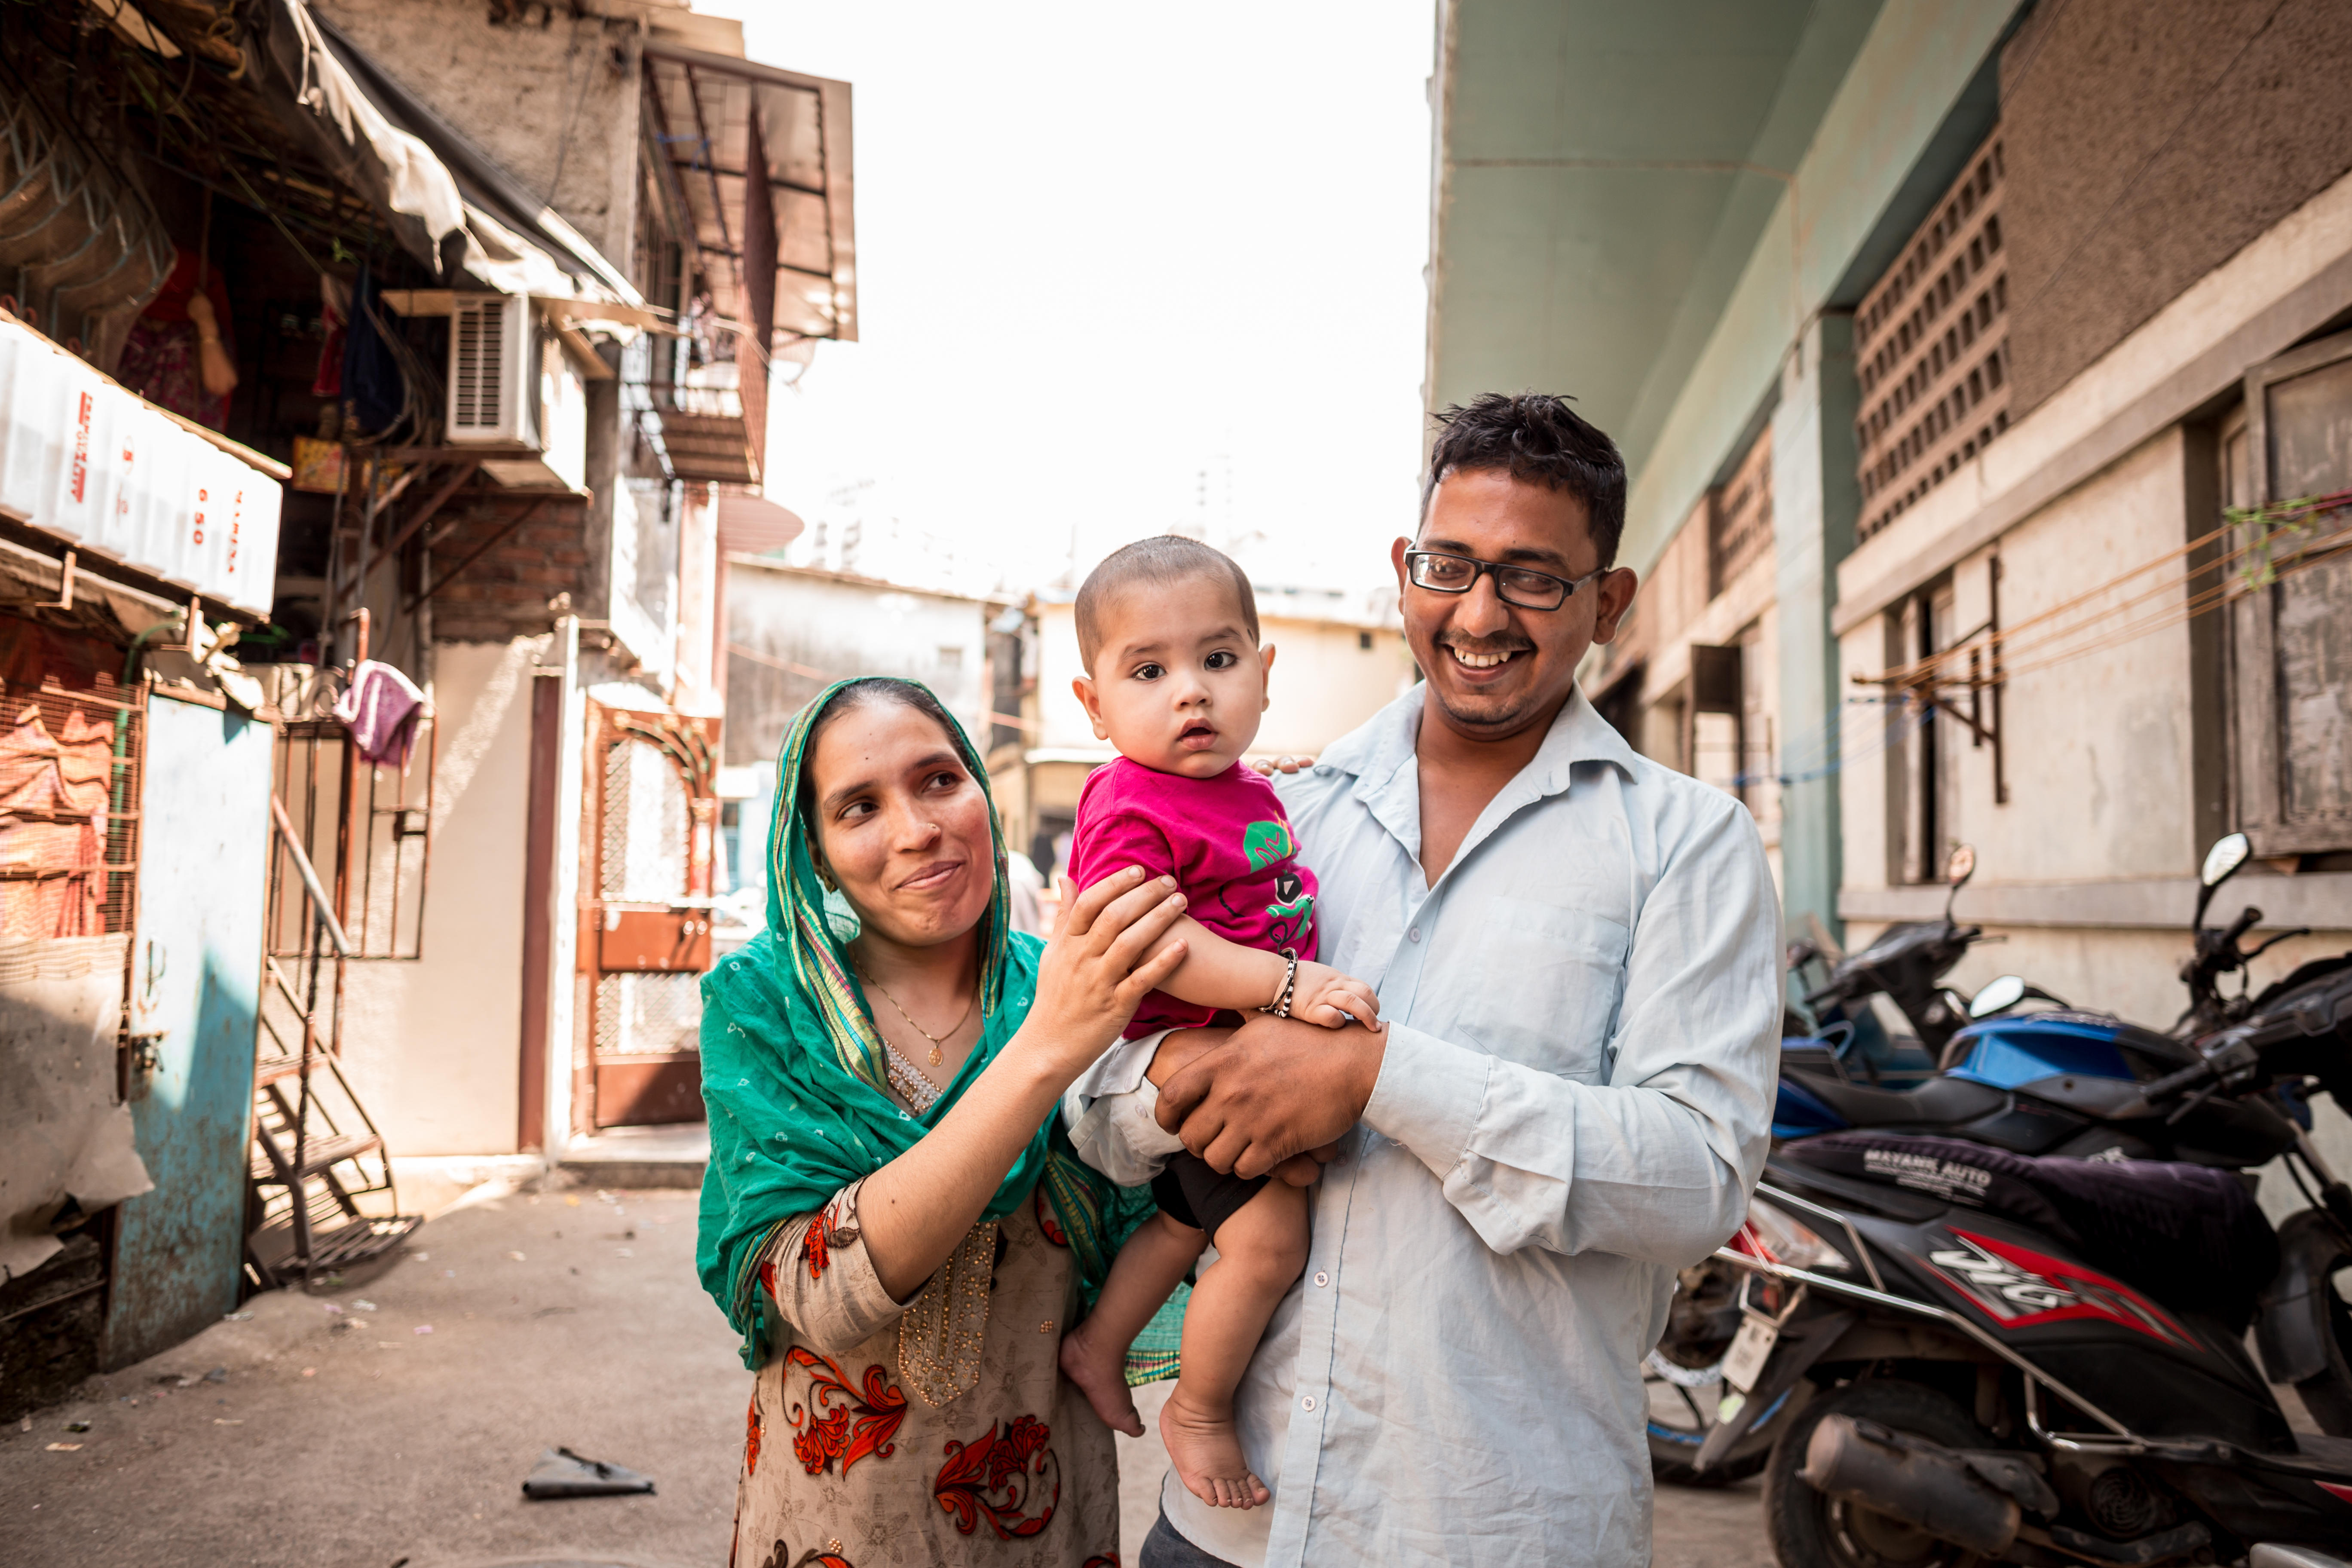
x,y
1961,865
2227,855
2229,852
1999,994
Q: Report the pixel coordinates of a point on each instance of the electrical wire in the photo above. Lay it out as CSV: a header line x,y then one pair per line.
x,y
2042,641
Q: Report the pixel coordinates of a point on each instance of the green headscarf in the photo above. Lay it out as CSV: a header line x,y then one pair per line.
x,y
792,1072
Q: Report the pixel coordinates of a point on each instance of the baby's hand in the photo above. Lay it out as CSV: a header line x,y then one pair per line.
x,y
1324,996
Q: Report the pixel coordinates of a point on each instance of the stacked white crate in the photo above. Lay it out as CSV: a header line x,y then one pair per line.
x,y
84,460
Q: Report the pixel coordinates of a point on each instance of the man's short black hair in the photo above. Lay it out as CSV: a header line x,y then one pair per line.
x,y
1539,441
1168,559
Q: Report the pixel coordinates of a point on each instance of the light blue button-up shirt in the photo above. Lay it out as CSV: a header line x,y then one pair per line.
x,y
1584,1025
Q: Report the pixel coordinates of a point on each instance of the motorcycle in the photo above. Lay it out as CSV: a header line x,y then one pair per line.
x,y
2055,1082
1905,964
1995,1358
1908,963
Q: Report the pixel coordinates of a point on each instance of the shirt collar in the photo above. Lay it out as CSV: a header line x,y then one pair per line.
x,y
1374,753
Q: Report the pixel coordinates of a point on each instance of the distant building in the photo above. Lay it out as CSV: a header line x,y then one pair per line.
x,y
793,630
1333,670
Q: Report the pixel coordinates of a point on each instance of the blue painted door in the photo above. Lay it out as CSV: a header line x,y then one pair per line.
x,y
196,978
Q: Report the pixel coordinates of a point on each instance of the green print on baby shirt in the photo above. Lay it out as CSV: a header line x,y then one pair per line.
x,y
1265,843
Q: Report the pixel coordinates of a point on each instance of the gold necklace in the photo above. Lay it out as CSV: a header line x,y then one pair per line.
x,y
937,1040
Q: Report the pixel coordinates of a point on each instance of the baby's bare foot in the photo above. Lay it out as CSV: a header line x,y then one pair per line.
x,y
1102,1377
1207,1455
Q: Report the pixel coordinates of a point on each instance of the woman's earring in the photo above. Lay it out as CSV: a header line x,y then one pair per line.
x,y
827,877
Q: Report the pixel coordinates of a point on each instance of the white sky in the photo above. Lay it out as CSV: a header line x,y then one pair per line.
x,y
1104,252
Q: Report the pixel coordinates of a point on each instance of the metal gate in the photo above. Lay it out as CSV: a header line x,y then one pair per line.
x,y
644,938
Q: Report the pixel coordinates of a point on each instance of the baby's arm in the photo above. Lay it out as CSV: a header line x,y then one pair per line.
x,y
1225,974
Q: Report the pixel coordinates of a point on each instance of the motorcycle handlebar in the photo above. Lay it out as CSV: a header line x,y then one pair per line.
x,y
2173,1083
2245,922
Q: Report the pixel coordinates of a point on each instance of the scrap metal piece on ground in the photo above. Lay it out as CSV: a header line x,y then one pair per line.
x,y
561,1473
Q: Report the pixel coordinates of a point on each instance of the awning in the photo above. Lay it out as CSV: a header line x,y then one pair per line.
x,y
450,203
760,161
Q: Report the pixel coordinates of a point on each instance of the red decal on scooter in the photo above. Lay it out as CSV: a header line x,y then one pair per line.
x,y
2336,1489
2018,1286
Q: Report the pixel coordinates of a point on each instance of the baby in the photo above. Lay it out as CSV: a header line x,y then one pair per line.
x,y
1176,680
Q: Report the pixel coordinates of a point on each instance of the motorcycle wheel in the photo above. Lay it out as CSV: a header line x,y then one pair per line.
x,y
1809,1530
1684,1403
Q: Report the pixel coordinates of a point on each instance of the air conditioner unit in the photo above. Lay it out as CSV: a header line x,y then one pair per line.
x,y
494,371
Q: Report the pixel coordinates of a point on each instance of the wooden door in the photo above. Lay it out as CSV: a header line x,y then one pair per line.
x,y
644,938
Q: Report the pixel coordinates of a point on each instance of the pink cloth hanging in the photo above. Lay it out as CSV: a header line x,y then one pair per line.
x,y
380,709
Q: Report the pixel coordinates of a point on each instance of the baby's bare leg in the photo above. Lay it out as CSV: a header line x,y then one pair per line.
x,y
1094,1354
1260,1250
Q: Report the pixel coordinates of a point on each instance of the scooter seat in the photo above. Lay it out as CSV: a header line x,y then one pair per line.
x,y
2189,1235
1940,1102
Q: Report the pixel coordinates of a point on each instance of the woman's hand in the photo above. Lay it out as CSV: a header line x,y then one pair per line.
x,y
1094,973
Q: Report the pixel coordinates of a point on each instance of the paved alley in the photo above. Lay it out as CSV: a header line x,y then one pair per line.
x,y
392,1421
340,1436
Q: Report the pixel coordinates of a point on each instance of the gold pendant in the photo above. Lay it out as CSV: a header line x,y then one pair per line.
x,y
936,1058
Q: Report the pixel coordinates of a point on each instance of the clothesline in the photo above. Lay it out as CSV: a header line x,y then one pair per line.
x,y
2046,640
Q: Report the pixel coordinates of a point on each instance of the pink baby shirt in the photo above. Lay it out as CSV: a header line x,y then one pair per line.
x,y
1227,842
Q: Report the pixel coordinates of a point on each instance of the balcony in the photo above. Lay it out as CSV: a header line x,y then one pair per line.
x,y
704,434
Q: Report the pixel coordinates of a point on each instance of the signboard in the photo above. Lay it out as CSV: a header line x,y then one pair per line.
x,y
91,464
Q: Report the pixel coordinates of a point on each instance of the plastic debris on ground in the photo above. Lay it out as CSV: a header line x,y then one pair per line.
x,y
561,1473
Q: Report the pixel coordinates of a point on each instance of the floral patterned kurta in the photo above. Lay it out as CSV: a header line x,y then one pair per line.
x,y
847,1464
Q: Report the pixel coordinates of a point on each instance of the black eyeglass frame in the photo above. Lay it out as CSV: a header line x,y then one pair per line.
x,y
1567,586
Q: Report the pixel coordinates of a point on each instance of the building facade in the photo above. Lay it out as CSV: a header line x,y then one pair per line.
x,y
1977,368
379,386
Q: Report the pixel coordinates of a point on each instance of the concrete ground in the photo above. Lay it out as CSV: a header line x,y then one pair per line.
x,y
558,1319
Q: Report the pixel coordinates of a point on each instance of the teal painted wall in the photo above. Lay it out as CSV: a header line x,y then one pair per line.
x,y
1812,478
196,976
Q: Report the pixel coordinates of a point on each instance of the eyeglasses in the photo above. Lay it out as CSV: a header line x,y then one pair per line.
x,y
1520,585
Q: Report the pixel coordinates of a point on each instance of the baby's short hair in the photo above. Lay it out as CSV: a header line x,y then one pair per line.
x,y
1169,558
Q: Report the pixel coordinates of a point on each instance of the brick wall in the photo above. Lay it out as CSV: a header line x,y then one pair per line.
x,y
504,594
2146,145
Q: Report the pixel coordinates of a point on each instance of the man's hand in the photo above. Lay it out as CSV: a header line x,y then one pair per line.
x,y
1279,1088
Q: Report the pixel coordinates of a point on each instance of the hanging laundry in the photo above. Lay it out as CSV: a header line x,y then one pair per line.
x,y
379,709
335,317
372,385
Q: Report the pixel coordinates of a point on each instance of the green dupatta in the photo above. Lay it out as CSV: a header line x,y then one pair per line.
x,y
793,1078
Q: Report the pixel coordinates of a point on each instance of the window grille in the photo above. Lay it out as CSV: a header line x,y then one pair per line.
x,y
372,858
69,791
1740,517
1931,349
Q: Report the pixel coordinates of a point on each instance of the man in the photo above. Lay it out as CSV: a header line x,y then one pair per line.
x,y
1577,952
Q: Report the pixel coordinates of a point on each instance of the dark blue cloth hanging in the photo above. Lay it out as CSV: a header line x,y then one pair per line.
x,y
374,390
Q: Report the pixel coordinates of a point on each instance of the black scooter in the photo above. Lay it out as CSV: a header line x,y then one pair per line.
x,y
2068,1084
1975,1355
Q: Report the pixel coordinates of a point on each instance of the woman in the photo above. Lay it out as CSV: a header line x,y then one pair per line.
x,y
892,1219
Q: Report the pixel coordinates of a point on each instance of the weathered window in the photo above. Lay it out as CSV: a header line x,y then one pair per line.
x,y
2290,642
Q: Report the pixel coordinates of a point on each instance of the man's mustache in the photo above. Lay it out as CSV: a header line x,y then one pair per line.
x,y
1483,645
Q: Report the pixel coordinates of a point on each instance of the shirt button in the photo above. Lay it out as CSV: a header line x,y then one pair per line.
x,y
1307,1403
1413,935
1321,1278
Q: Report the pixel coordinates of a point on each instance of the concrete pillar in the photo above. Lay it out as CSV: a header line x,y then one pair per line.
x,y
1815,500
